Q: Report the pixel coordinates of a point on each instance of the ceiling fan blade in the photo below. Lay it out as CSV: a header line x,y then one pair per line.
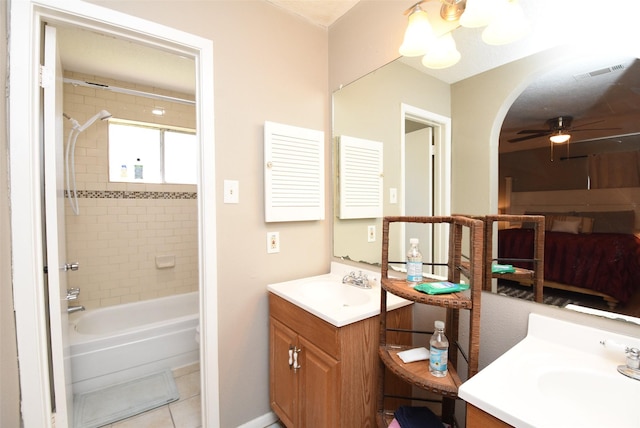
x,y
529,137
587,124
594,129
532,131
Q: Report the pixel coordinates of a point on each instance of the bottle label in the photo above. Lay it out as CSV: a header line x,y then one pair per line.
x,y
438,359
414,271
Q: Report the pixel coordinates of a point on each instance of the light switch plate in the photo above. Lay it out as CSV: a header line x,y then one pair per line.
x,y
393,195
231,192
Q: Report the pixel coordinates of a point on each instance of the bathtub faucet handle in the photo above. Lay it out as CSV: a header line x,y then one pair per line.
x,y
71,266
72,293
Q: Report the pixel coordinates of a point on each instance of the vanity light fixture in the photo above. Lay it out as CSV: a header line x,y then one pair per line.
x,y
157,111
504,19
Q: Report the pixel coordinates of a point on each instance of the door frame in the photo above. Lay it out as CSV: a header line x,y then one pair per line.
x,y
442,168
25,131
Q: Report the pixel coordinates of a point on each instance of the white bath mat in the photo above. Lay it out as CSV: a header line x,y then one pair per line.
x,y
113,403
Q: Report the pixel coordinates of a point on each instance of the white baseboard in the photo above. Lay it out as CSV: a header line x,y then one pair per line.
x,y
261,422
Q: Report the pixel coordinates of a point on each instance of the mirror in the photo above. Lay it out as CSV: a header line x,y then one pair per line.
x,y
350,236
403,109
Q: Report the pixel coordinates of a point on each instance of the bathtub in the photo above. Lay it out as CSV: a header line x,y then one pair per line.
x,y
118,343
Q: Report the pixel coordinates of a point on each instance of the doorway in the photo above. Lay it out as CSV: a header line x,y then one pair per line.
x,y
27,19
426,170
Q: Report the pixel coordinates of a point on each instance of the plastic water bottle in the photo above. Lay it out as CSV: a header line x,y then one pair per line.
x,y
439,351
414,263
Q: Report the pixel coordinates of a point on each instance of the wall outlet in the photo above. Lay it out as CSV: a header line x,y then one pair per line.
x,y
371,233
273,242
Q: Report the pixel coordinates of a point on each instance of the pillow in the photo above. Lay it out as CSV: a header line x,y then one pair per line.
x,y
568,226
587,225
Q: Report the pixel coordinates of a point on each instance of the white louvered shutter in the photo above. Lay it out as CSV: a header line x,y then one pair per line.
x,y
294,173
360,175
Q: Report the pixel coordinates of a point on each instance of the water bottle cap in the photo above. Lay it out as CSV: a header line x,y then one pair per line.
x,y
414,240
439,324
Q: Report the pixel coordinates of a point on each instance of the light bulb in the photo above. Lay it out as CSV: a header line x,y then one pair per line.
x,y
443,53
418,35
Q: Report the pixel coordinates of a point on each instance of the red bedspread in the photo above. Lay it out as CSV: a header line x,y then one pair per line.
x,y
604,262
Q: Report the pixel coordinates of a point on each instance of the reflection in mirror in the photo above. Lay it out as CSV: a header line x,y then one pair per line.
x,y
406,111
358,112
590,182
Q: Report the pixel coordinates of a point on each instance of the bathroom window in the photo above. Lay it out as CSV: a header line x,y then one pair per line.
x,y
149,153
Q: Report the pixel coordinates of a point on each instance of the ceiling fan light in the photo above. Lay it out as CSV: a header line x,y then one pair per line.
x,y
508,25
418,35
559,138
478,13
443,53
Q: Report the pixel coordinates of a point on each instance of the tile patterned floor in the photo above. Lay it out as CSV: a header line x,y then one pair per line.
x,y
184,413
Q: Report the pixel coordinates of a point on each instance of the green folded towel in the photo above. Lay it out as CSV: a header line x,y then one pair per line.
x,y
502,269
441,287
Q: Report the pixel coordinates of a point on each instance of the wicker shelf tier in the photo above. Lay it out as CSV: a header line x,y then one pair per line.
x,y
400,288
417,373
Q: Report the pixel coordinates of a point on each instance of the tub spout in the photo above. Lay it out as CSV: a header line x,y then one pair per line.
x,y
72,309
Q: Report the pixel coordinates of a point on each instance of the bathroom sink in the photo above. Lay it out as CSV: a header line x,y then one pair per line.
x,y
326,297
568,388
564,379
335,293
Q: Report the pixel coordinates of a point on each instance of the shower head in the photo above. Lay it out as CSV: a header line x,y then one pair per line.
x,y
102,115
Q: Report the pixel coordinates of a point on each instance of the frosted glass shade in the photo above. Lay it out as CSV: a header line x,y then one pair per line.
x,y
478,13
442,53
418,35
508,25
560,138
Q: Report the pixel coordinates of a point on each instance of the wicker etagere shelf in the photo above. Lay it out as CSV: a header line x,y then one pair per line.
x,y
533,277
463,231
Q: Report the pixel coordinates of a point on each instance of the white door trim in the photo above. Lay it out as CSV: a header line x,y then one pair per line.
x,y
25,179
442,166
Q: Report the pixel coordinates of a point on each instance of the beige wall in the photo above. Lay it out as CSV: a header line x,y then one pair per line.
x,y
268,65
9,388
370,108
117,236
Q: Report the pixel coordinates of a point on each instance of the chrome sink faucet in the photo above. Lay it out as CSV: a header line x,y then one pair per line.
x,y
632,367
359,280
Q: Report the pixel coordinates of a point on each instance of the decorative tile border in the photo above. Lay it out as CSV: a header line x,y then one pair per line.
x,y
125,194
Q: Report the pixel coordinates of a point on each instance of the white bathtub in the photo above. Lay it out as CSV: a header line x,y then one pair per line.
x,y
117,343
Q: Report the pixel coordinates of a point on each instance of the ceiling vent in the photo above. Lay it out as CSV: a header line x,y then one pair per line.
x,y
599,72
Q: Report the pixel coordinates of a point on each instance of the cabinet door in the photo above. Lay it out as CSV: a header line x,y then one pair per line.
x,y
319,383
283,385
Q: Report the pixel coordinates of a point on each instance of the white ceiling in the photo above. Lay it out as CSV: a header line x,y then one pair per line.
x,y
558,93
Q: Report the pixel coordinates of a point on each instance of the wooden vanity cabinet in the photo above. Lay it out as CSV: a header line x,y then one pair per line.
x,y
477,418
336,382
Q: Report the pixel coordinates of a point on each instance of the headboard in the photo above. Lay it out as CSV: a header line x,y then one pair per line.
x,y
595,201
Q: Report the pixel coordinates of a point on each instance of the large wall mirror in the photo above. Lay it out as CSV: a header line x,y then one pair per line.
x,y
371,108
406,111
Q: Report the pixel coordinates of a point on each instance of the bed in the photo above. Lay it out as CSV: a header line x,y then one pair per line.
x,y
593,253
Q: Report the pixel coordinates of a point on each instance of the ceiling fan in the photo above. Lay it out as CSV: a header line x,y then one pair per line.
x,y
559,130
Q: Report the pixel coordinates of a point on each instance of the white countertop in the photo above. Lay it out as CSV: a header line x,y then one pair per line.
x,y
560,375
326,297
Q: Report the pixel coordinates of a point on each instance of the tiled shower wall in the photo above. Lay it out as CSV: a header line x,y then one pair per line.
x,y
123,227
